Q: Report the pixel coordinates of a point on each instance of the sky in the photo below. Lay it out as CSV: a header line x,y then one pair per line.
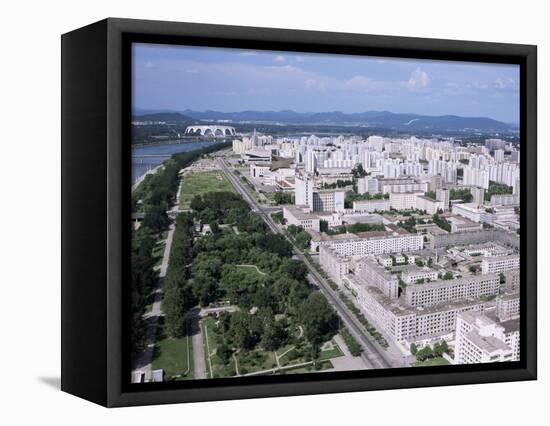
x,y
171,77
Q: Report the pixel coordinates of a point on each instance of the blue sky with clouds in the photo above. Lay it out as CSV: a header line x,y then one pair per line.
x,y
182,77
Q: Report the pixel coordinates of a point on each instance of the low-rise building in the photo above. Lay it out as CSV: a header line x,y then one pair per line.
x,y
413,274
301,216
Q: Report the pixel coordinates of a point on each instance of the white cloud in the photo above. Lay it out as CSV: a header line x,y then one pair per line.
x,y
249,53
418,80
505,83
279,58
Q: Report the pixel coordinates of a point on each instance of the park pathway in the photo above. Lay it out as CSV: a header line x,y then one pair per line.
x,y
198,346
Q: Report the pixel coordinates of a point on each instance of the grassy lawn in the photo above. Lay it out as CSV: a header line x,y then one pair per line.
x,y
200,183
331,353
215,365
432,361
251,270
174,356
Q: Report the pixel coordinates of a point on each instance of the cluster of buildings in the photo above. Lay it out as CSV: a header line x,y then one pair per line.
x,y
455,278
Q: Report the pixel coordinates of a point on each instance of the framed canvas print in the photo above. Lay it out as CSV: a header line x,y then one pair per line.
x,y
254,212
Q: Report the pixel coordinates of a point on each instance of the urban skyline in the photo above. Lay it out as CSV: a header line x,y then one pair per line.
x,y
259,249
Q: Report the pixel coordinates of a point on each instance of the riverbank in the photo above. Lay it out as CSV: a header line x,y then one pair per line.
x,y
143,176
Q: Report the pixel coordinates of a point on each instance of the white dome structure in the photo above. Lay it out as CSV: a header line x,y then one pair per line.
x,y
210,130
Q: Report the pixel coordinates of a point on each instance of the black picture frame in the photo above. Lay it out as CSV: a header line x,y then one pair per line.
x,y
96,89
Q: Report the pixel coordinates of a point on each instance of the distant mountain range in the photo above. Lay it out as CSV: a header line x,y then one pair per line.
x,y
380,119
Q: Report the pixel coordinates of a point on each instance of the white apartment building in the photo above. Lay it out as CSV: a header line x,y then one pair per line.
x,y
335,265
300,216
303,192
369,206
496,265
508,306
428,204
378,277
479,339
437,292
328,200
241,146
400,323
404,200
413,274
478,195
376,243
470,211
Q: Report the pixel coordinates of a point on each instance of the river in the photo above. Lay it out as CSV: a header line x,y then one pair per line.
x,y
146,157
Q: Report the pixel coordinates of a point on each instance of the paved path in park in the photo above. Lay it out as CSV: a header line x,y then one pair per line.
x,y
198,346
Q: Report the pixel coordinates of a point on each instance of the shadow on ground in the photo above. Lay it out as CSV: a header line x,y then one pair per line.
x,y
54,382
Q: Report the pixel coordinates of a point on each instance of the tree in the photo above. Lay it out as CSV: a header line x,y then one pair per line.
x,y
414,348
245,329
502,278
205,288
273,337
358,171
283,197
224,352
173,306
440,348
430,262
318,318
156,218
303,240
424,353
323,225
448,275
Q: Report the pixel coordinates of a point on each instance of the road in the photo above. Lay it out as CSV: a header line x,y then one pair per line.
x,y
373,355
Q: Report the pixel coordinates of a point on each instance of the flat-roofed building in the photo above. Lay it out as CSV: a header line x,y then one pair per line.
x,y
437,292
376,243
401,323
428,204
479,339
335,265
328,200
370,206
300,216
379,277
512,280
498,264
507,306
404,200
470,211
462,224
413,274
